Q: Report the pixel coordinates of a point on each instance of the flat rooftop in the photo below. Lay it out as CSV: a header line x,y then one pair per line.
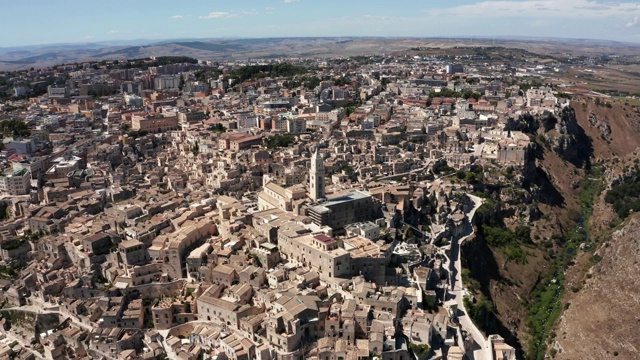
x,y
351,196
17,173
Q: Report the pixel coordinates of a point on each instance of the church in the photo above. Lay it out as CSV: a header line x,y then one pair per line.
x,y
337,210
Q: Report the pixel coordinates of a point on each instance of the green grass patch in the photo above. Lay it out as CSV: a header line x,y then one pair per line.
x,y
510,242
545,305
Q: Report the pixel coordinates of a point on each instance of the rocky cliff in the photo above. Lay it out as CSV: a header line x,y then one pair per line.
x,y
553,198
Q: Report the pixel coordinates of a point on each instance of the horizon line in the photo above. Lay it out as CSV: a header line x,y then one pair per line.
x,y
232,38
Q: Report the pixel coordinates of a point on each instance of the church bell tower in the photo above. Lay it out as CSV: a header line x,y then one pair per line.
x,y
316,177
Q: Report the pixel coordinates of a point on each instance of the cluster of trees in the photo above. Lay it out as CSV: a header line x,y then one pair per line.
x,y
10,108
606,104
509,241
441,167
524,86
498,236
217,128
472,80
38,88
420,350
472,176
245,73
14,128
159,61
625,196
136,134
203,75
7,272
309,82
483,314
279,141
363,60
342,81
350,106
12,244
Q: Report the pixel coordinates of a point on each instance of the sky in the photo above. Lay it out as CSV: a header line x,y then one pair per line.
x,y
35,22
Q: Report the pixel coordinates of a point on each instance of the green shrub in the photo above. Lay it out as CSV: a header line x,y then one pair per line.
x,y
509,241
625,196
420,349
279,141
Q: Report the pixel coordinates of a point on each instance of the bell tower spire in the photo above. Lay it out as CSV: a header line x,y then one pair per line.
x,y
316,176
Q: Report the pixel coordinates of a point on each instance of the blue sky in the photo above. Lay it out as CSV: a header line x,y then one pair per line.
x,y
29,22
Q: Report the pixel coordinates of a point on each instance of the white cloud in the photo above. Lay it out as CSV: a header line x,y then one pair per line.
x,y
250,12
543,8
290,1
633,22
88,37
177,17
218,15
377,18
113,32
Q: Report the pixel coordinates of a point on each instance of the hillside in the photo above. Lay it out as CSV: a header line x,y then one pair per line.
x,y
19,58
561,186
215,50
602,317
613,131
605,285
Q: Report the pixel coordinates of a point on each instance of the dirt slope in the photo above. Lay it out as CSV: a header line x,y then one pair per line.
x,y
604,317
614,131
603,291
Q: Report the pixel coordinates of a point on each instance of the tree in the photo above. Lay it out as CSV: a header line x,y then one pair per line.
x,y
470,177
14,128
430,303
384,83
420,350
217,128
278,141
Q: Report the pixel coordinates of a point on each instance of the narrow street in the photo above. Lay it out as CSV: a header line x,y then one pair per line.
x,y
480,351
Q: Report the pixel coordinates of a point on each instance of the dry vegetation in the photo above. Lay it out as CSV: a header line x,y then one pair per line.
x,y
601,297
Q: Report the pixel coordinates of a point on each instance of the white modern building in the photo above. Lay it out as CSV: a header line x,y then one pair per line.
x,y
18,182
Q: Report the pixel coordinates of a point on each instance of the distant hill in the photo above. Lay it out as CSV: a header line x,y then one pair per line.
x,y
15,58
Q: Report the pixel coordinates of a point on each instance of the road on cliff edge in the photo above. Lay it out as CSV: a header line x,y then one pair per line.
x,y
481,349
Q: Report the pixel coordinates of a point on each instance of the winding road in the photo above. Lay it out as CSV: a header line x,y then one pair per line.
x,y
480,349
